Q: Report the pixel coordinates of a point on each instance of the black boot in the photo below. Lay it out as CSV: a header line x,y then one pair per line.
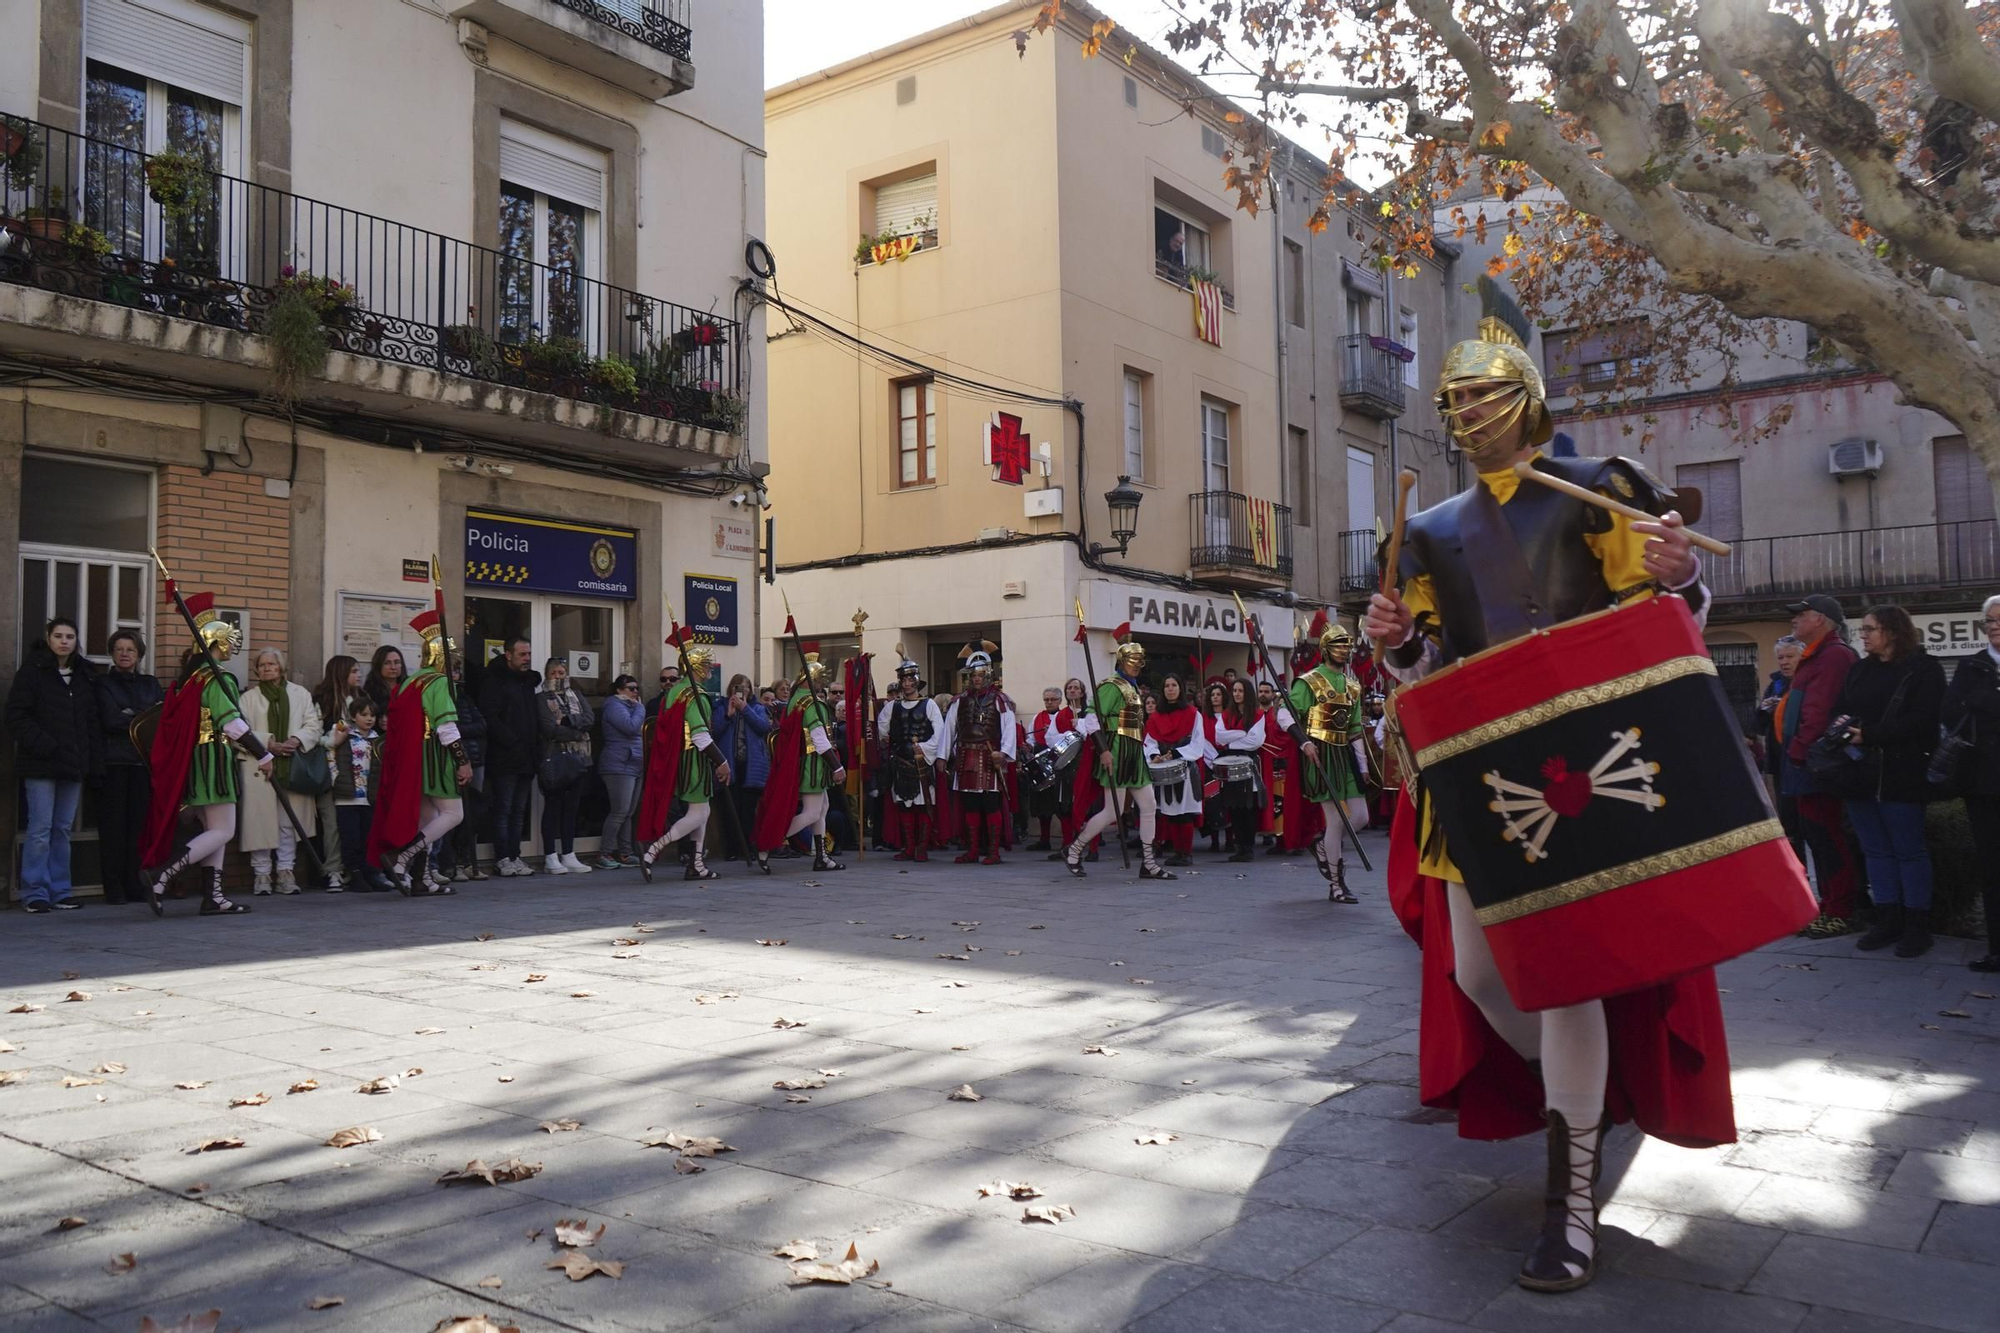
x,y
213,903
156,895
1916,934
1073,858
1339,892
1570,1195
1888,928
822,859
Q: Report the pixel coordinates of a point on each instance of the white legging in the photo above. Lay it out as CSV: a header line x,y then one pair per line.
x,y
441,815
1142,797
694,822
1330,837
811,815
1571,1042
218,827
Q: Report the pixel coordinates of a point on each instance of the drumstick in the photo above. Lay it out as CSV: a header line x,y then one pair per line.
x,y
1405,480
1532,473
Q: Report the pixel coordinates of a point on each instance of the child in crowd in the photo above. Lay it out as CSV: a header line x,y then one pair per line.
x,y
357,774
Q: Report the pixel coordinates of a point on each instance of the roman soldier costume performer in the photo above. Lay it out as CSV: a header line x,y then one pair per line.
x,y
910,729
1117,717
192,761
1567,970
677,765
424,763
1322,714
979,737
804,764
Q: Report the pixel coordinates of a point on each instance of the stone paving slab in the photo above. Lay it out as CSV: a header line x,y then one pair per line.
x,y
1271,1051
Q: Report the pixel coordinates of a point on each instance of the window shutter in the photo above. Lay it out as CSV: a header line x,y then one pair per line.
x,y
548,165
1721,487
157,45
1963,493
899,206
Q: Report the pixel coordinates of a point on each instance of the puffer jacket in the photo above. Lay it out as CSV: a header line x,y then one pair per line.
x,y
55,724
121,697
624,745
1973,702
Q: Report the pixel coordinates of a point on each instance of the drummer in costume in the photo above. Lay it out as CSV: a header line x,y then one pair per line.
x,y
1322,714
804,764
677,765
1239,741
424,763
194,766
911,729
1117,716
1492,566
1048,800
1177,751
979,737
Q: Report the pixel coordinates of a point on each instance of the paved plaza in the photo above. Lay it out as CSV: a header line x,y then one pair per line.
x,y
1216,1076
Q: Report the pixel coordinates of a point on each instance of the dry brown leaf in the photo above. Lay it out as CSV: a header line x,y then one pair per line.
x,y
472,1323
794,1084
1013,953
923,1011
577,1232
484,967
325,1302
786,1023
8,1076
533,977
503,1173
1099,1050
688,1168
1037,927
625,943
109,1067
190,1323
577,1266
844,1273
899,937
386,1083
1157,1138
72,1081
493,1283
216,1145
506,1078
482,937
303,1085
706,998
533,1235
1011,1189
1953,1013
797,1097
1977,995
954,985
961,1048
71,1223
199,1187
1049,1212
829,1073
690,1144
773,944
142,1013
192,1084
956,957
1139,981
562,1126
625,953
7,1047
123,1263
354,1136
76,997
27,1009
254,1099
413,1071
798,1250
581,994
72,976
429,1032
964,1093
966,925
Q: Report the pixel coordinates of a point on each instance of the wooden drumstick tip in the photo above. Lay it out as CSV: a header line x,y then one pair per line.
x,y
1527,471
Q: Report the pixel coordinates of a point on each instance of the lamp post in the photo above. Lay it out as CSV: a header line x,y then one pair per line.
x,y
1123,502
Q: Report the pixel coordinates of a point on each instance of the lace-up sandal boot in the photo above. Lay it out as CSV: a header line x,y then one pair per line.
x,y
156,892
697,867
1149,868
822,859
1073,858
1319,859
213,903
1564,1257
647,857
1340,893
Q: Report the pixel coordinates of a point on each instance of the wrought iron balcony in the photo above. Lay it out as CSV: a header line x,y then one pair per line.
x,y
77,218
1358,571
1867,561
1181,276
1238,539
1371,376
643,46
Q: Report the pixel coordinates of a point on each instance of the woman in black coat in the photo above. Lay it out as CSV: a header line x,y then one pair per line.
x,y
59,744
1973,703
1890,706
123,693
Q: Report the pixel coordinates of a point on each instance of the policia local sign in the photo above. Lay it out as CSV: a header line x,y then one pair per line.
x,y
550,555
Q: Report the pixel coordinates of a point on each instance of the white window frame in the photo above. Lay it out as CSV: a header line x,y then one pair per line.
x,y
1135,425
590,320
1412,369
1214,429
924,451
1361,462
1192,230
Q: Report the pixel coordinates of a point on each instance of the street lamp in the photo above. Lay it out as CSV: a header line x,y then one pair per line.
x,y
1123,502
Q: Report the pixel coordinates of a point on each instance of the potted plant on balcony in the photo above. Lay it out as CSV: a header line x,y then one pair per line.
x,y
177,180
20,157
615,376
331,298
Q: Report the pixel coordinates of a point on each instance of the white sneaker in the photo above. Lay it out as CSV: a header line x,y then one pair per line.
x,y
512,866
573,865
335,884
287,882
260,884
555,866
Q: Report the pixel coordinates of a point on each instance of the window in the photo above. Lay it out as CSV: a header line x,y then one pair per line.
x,y
1179,244
1302,475
1412,372
1295,283
1360,490
1573,361
1214,444
169,75
83,549
1135,424
1968,547
1131,91
916,432
1360,313
551,200
906,207
1721,487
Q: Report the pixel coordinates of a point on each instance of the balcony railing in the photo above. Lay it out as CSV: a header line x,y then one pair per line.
x,y
660,24
1236,535
1182,277
1371,376
1869,560
1358,573
79,220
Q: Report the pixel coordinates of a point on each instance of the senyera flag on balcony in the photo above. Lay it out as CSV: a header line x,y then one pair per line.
x,y
1207,309
1263,533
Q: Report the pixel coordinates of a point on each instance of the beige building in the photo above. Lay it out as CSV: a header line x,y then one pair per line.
x,y
980,242
533,216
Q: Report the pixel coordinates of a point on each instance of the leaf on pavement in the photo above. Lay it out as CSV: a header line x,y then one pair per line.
x,y
325,1302
1099,1050
109,1067
199,1187
1013,953
1011,1189
533,977
386,1083
562,1126
899,937
1157,1138
690,1144
1037,927
413,1071
493,1283
577,1232
71,976
72,1081
1139,981
254,1099
964,1093
429,1032
625,953
27,1009
956,957
923,1011
71,1223
216,1145
625,942
1051,1213
797,1097
354,1136
705,998
482,937
504,1173
506,1078
76,997
484,967
843,1274
473,1323
794,1084
773,944
798,1249
686,1167
581,994
8,1076
8,1048
303,1085
829,1073
192,1084
577,1266
123,1263
966,925
782,1022
192,1323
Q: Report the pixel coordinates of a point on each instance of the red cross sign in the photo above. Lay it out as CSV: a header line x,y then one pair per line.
x,y
1006,448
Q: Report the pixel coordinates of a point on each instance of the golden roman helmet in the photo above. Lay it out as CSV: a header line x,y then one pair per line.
x,y
223,639
431,630
693,650
817,673
1334,636
1130,654
1497,364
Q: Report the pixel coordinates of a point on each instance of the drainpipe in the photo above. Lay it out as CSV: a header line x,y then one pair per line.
x,y
1392,318
1284,352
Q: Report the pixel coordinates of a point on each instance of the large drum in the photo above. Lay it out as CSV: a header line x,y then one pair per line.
x,y
1593,790
1053,762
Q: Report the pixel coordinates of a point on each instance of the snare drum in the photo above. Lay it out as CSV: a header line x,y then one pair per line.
x,y
1594,793
1176,786
1242,777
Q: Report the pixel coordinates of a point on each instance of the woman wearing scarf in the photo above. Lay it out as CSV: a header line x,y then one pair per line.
x,y
1175,730
284,718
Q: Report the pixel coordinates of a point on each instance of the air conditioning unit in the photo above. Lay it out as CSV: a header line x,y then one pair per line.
x,y
1854,458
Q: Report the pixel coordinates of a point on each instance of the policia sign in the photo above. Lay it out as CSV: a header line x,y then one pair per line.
x,y
550,555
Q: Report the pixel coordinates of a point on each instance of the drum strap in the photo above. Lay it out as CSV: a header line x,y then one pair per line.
x,y
1500,573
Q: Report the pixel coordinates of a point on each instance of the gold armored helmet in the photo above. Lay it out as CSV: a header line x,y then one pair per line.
x,y
1130,654
1335,638
817,673
1497,365
223,639
430,629
693,651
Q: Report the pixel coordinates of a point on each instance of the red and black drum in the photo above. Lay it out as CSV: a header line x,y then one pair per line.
x,y
1595,795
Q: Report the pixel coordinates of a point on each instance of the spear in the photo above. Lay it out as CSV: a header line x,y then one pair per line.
x,y
1107,742
216,671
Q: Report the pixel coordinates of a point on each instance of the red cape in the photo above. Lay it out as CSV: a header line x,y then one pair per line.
x,y
170,758
663,772
781,787
1669,1052
399,800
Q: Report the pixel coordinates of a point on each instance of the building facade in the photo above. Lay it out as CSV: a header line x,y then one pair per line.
x,y
1012,278
517,228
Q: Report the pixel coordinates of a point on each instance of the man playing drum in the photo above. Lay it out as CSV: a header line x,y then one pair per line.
x,y
1566,559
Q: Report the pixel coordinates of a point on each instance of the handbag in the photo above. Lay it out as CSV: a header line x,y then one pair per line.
x,y
560,770
1950,770
310,772
1848,770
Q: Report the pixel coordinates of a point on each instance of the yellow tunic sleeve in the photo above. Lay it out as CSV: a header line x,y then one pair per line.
x,y
1621,553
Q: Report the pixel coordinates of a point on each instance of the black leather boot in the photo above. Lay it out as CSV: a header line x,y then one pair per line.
x,y
1916,935
1888,928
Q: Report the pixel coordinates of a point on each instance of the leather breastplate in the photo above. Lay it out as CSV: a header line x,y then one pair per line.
x,y
979,718
909,724
1564,578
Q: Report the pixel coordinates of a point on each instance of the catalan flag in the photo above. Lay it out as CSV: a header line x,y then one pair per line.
x,y
1207,309
1263,533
